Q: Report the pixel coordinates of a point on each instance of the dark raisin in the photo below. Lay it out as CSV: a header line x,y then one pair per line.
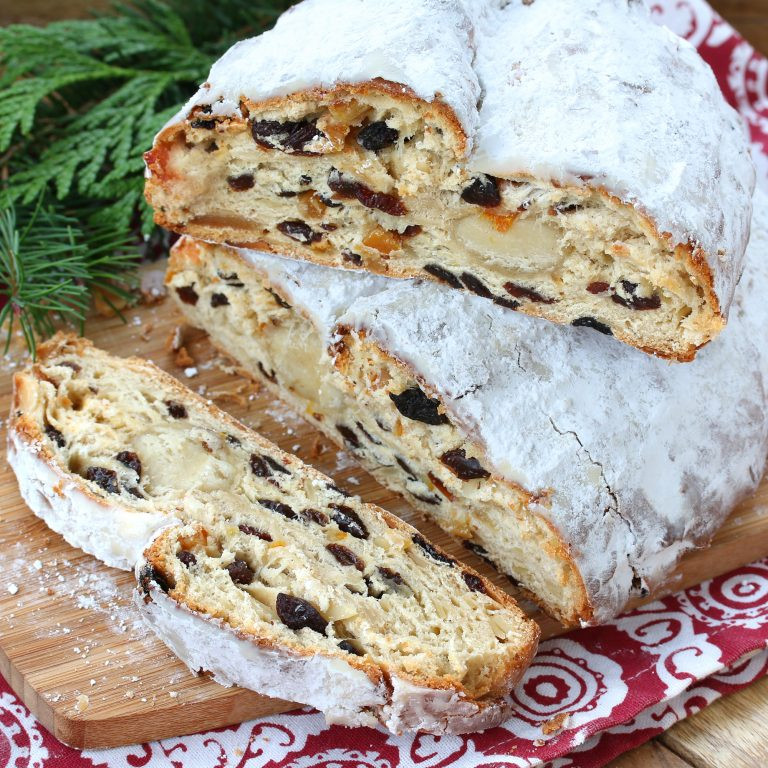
x,y
373,591
271,376
411,231
484,190
414,404
219,300
207,124
211,147
430,550
134,491
299,231
230,278
350,438
176,410
590,322
598,287
276,465
349,647
281,302
150,574
376,136
475,285
326,201
304,179
345,556
287,193
301,135
633,301
240,183
251,531
186,557
279,507
380,201
340,491
232,440
296,613
479,550
314,516
506,303
352,258
240,572
521,292
512,580
104,478
367,434
55,436
431,500
389,575
465,468
263,130
131,460
187,294
474,582
403,464
443,274
349,521
71,364
263,466
329,227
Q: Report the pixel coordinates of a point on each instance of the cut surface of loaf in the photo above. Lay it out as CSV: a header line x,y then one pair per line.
x,y
579,467
316,596
369,154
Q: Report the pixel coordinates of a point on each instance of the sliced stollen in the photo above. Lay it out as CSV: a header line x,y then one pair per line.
x,y
354,134
578,466
262,571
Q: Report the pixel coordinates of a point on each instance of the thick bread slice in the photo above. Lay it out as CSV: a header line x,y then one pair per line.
x,y
263,572
601,181
578,466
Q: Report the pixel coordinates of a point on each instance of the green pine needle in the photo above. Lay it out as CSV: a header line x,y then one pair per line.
x,y
80,101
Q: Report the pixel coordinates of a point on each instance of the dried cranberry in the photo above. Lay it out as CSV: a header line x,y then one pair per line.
x,y
590,322
55,436
345,556
240,572
443,274
414,404
349,435
348,520
434,553
465,468
296,613
352,258
376,136
474,582
131,460
176,410
598,286
186,557
389,575
279,507
633,301
349,647
314,516
521,292
380,201
475,285
104,478
240,183
187,294
484,190
251,531
300,231
219,300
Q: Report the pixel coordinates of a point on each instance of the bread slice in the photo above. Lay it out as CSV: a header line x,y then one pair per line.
x,y
263,572
578,466
377,152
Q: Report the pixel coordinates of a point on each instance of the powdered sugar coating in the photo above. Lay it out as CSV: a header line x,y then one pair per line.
x,y
645,458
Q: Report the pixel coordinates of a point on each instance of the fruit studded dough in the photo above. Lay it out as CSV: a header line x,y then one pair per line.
x,y
563,158
578,466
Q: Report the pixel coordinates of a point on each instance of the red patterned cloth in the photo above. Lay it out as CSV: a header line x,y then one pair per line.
x,y
589,695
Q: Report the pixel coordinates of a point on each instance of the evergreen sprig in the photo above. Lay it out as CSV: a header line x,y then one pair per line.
x,y
80,101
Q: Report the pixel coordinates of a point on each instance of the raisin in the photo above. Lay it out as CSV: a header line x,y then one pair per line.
x,y
352,258
474,582
271,376
512,580
349,521
296,613
186,557
465,468
380,201
414,404
301,135
149,574
176,410
329,227
475,285
640,303
134,491
240,183
304,179
376,136
280,301
340,491
55,436
590,322
263,466
367,434
506,303
431,500
443,275
299,231
232,440
350,438
345,556
389,575
240,572
279,507
219,300
187,294
287,193
403,464
251,531
131,460
276,465
212,147
314,516
484,190
479,550
207,124
104,478
328,203
349,647
521,292
71,364
288,135
411,231
598,287
230,278
430,550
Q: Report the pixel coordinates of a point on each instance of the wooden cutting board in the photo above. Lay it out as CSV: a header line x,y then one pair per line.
x,y
71,644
